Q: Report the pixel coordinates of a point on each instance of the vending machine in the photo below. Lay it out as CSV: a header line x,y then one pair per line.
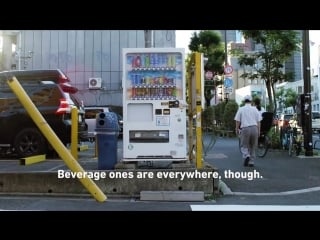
x,y
154,106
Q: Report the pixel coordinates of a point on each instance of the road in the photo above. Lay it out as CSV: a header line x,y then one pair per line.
x,y
282,183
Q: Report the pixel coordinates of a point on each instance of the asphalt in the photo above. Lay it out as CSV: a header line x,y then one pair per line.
x,y
276,179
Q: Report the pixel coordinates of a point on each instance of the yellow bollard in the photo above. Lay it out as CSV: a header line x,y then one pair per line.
x,y
74,132
199,110
55,142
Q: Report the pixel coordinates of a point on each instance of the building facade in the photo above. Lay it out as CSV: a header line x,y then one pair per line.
x,y
243,86
81,54
298,87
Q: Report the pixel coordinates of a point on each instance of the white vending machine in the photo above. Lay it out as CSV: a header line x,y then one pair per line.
x,y
154,104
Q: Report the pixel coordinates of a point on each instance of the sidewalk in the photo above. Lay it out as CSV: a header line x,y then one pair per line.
x,y
275,175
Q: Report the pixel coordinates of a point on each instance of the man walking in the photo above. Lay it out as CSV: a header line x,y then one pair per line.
x,y
248,126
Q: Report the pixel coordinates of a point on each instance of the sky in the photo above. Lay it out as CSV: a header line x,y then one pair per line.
x,y
183,39
314,35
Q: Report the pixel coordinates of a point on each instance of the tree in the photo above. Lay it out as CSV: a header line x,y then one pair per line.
x,y
209,43
287,98
277,46
291,97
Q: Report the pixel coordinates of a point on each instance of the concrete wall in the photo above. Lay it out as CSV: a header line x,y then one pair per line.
x,y
48,183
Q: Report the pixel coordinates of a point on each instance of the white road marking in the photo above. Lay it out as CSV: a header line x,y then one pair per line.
x,y
313,189
54,168
255,207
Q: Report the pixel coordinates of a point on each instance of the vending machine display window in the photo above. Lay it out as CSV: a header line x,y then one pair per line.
x,y
153,104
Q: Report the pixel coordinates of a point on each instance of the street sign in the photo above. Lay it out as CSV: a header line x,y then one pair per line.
x,y
228,69
228,90
228,82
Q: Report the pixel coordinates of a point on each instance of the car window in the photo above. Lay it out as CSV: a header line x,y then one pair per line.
x,y
288,117
315,115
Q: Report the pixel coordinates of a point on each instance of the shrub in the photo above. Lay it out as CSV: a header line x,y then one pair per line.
x,y
228,116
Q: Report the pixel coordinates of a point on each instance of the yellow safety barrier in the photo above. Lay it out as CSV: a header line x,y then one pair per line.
x,y
83,148
55,142
33,159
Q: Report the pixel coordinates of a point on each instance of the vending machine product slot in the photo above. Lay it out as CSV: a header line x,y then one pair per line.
x,y
153,91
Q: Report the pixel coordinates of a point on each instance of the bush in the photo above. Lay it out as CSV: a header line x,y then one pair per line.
x,y
220,116
274,136
230,111
208,117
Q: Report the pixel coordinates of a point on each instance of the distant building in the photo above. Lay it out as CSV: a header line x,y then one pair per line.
x,y
235,40
298,86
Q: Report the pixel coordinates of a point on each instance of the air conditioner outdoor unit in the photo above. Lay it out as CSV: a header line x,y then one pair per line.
x,y
95,83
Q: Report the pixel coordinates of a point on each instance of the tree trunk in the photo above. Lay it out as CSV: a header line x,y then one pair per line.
x,y
270,95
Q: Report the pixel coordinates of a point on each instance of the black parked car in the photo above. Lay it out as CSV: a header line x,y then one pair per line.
x,y
53,96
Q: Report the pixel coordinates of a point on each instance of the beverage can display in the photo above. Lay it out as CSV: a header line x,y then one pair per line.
x,y
147,61
163,60
156,60
143,61
154,76
168,61
136,81
173,61
152,60
160,80
133,62
133,92
138,61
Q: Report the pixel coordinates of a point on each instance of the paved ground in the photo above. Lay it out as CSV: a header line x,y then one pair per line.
x,y
279,178
277,181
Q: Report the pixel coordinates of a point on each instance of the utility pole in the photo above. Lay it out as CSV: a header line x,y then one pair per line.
x,y
307,129
148,38
225,48
226,59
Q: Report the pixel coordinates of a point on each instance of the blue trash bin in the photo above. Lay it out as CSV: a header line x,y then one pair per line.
x,y
107,132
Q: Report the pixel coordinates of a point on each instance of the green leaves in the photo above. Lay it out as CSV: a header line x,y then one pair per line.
x,y
209,43
273,48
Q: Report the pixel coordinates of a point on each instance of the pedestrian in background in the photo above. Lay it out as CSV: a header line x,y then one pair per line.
x,y
248,127
257,104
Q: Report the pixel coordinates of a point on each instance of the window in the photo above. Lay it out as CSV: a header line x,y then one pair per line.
x,y
239,37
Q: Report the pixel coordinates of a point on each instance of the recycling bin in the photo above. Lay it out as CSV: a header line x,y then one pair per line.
x,y
107,132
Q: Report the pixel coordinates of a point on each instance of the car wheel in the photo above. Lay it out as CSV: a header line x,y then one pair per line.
x,y
30,142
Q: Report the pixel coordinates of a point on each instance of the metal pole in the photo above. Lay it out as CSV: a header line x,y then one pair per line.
x,y
55,142
148,38
225,48
19,51
225,58
74,132
307,91
198,65
190,73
